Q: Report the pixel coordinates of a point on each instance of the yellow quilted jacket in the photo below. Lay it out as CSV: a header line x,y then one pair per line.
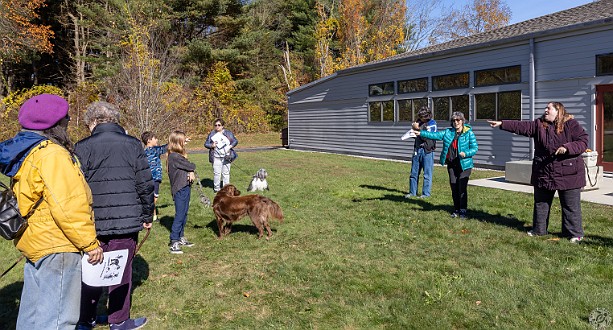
x,y
64,221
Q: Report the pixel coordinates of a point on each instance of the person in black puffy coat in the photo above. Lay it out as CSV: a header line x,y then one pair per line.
x,y
116,169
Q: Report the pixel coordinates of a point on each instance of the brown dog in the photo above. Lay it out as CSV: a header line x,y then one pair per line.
x,y
229,207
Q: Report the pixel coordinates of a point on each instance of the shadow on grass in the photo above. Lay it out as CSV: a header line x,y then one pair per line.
x,y
207,183
597,240
239,228
498,219
9,305
140,271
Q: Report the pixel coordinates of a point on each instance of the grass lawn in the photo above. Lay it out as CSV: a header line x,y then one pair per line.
x,y
353,253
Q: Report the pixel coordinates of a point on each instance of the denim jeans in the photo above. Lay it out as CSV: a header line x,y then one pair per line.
x,y
421,160
221,171
181,198
51,293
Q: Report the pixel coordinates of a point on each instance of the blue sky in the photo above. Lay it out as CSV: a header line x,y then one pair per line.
x,y
526,9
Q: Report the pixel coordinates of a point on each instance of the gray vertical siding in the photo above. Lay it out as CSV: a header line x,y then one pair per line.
x,y
332,115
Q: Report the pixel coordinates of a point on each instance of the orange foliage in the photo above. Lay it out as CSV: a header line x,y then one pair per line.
x,y
17,30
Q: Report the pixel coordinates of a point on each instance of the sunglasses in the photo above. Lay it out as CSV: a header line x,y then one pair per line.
x,y
218,125
456,119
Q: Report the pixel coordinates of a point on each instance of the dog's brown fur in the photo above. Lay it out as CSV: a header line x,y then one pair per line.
x,y
229,207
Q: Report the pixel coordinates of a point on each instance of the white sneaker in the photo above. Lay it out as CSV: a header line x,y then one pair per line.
x,y
576,239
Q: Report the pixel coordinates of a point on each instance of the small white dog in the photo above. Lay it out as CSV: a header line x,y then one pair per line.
x,y
259,181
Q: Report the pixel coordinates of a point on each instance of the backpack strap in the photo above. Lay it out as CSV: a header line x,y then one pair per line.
x,y
35,204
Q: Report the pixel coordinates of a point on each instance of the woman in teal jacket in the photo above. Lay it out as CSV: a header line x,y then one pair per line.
x,y
459,146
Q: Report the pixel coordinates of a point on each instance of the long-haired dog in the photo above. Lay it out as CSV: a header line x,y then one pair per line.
x,y
229,207
259,181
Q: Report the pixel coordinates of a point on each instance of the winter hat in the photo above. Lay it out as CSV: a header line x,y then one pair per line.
x,y
42,111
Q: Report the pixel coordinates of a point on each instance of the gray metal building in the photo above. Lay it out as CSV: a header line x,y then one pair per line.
x,y
507,73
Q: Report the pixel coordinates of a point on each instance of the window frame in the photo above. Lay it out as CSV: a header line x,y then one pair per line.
x,y
496,105
413,108
408,80
381,111
476,72
598,74
382,85
450,106
467,73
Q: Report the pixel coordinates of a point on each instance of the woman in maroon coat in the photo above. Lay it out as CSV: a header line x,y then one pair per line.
x,y
559,141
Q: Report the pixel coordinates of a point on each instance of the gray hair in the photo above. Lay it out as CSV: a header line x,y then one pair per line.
x,y
457,115
101,112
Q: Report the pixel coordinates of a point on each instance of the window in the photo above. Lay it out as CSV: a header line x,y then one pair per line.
x,y
450,81
381,111
413,85
445,106
381,89
407,109
498,106
499,76
604,64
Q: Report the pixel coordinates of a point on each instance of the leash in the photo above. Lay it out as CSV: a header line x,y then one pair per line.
x,y
248,174
143,241
13,266
203,198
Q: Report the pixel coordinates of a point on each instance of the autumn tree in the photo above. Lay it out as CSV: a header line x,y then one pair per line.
x,y
480,16
20,34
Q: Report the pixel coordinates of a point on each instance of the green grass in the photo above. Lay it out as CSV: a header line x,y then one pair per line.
x,y
245,140
354,254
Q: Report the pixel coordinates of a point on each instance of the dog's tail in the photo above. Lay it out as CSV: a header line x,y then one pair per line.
x,y
274,210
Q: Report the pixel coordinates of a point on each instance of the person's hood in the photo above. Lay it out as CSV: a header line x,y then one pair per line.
x,y
13,151
466,128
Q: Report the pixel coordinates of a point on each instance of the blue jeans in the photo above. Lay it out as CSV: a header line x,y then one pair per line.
x,y
421,160
181,207
51,293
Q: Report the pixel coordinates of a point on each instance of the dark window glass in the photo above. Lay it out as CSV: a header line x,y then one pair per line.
x,y
418,104
450,81
441,108
381,89
498,106
405,110
388,111
413,85
375,111
499,76
485,106
460,103
604,64
509,105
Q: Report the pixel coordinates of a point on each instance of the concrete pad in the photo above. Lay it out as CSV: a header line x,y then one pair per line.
x,y
603,195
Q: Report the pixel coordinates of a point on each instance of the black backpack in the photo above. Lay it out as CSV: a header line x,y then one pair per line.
x,y
12,224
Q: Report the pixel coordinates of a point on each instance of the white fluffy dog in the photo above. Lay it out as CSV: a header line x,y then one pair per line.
x,y
259,181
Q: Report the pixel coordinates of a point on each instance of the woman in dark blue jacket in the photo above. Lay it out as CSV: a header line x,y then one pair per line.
x,y
221,143
459,146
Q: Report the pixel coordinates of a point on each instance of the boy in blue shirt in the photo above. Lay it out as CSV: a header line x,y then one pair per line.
x,y
153,152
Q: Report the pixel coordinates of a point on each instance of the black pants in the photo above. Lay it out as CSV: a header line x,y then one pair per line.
x,y
458,180
570,201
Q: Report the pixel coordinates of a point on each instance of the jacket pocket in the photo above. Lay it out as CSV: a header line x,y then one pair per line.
x,y
567,167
